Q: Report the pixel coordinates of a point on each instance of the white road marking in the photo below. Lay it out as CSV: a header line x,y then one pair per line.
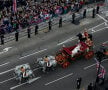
x,y
7,80
105,42
34,79
89,66
5,50
14,77
98,30
70,39
4,64
6,71
18,85
97,26
93,64
102,18
33,53
36,69
59,79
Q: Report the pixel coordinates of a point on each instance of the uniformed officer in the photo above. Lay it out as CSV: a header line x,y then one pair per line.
x,y
16,36
93,13
50,25
97,9
36,29
60,22
79,82
29,32
90,87
2,38
73,18
84,13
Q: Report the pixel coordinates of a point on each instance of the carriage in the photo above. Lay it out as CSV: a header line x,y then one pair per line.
x,y
68,54
23,73
45,65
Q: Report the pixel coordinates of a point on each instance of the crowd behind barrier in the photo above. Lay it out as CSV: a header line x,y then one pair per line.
x,y
34,13
43,25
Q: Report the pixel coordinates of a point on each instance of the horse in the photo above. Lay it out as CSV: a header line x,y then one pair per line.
x,y
51,64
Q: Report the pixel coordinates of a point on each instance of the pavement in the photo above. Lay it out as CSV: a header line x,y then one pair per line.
x,y
28,50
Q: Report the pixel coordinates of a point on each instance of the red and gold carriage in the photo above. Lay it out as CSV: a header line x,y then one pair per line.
x,y
68,54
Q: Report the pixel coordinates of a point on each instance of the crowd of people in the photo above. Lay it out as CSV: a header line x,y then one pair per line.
x,y
31,12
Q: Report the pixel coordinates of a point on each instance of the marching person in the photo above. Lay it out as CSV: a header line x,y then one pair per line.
x,y
50,25
60,22
29,32
16,36
73,18
36,29
93,13
97,9
79,83
84,13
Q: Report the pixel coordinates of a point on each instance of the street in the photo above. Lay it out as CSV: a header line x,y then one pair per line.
x,y
28,50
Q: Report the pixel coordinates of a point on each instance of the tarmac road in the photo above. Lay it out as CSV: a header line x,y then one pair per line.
x,y
48,44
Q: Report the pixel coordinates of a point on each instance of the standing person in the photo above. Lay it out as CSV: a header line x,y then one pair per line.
x,y
97,9
29,32
73,18
84,13
93,13
50,25
2,39
36,29
60,22
16,36
79,83
90,87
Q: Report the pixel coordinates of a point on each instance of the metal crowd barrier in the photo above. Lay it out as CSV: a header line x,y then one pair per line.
x,y
44,25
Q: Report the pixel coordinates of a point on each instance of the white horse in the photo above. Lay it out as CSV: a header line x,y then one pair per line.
x,y
23,75
50,64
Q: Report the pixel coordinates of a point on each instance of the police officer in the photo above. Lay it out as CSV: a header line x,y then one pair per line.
x,y
60,22
90,87
79,83
50,25
93,13
2,39
36,29
84,13
29,32
73,18
99,55
97,9
16,36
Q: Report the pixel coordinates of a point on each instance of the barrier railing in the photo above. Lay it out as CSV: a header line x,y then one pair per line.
x,y
44,25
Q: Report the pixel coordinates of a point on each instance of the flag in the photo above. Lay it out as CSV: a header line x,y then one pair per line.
x,y
14,6
102,71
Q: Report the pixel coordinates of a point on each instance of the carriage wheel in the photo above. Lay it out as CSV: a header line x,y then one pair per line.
x,y
89,55
66,64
